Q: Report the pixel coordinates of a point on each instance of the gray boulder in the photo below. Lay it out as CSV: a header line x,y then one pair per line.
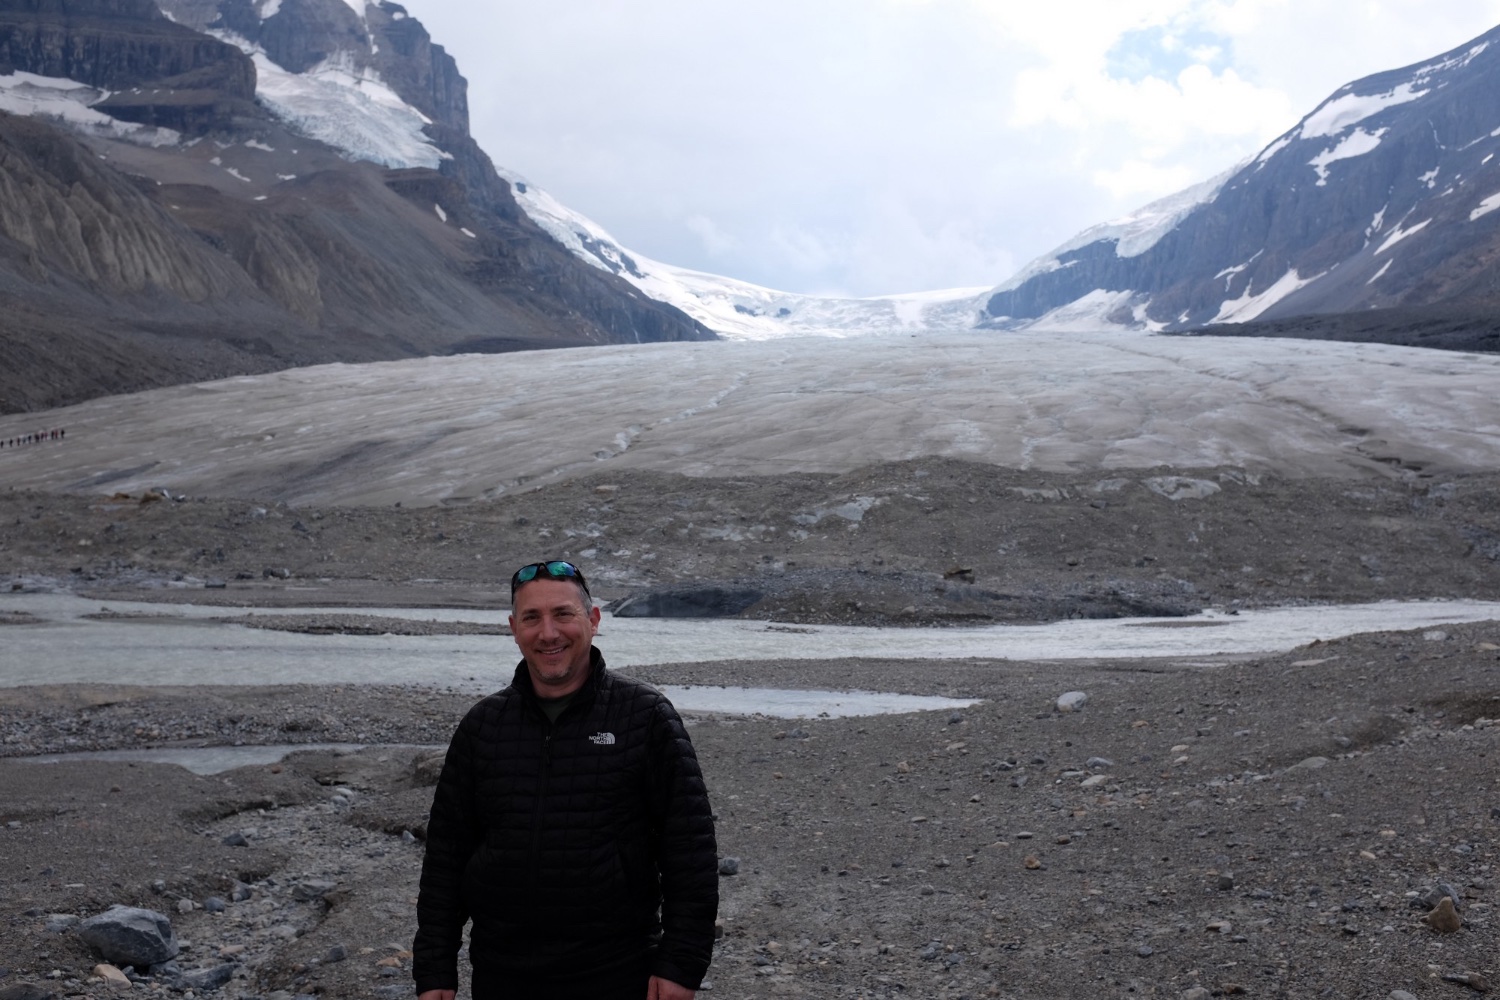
x,y
698,602
127,935
207,979
427,766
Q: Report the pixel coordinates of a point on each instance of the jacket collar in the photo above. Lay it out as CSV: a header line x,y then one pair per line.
x,y
521,682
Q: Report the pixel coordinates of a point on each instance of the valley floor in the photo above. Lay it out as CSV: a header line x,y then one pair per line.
x,y
1270,826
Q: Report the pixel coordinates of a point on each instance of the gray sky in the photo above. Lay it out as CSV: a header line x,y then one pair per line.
x,y
864,147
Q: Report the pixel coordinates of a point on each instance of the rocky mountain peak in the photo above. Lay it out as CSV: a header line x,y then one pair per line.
x,y
229,186
1379,198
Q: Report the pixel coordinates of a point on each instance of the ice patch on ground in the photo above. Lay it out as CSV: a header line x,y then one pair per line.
x,y
348,107
1248,306
1398,234
68,102
1357,143
1088,314
1485,207
1339,113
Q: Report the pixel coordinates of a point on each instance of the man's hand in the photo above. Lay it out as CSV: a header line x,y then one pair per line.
x,y
659,989
439,995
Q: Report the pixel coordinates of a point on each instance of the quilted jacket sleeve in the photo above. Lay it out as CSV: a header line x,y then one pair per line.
x,y
452,836
686,852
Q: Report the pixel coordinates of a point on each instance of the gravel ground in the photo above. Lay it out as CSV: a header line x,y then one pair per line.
x,y
1276,826
907,543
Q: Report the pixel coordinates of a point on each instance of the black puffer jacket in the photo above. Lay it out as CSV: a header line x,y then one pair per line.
x,y
572,845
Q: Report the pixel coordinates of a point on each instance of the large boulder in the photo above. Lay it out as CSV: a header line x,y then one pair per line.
x,y
127,935
696,602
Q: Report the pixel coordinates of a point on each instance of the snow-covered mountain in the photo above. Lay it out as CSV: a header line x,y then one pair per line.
x,y
225,186
1380,198
219,186
738,309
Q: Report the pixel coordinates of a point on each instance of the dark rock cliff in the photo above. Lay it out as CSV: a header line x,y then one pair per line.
x,y
113,45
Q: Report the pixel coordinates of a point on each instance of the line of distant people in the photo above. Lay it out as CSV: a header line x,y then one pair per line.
x,y
37,438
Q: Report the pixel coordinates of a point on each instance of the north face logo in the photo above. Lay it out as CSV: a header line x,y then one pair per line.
x,y
603,739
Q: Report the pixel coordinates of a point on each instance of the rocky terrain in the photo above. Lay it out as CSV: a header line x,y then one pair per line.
x,y
1441,328
1273,826
1276,827
921,542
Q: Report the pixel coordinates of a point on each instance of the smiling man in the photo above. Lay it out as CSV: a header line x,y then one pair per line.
x,y
570,825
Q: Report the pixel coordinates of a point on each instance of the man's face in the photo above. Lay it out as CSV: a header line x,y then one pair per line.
x,y
554,630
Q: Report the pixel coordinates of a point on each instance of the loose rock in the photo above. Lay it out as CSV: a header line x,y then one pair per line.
x,y
112,976
126,935
1072,701
1444,919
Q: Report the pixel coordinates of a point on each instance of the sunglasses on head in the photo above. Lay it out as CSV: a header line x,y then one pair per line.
x,y
557,569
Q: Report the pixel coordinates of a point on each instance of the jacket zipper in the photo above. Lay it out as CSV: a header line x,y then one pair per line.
x,y
541,798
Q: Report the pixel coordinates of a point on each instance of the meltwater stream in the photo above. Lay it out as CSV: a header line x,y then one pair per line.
x,y
183,645
169,644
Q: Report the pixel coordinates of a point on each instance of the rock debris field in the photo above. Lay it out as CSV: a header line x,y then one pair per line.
x,y
1277,827
1273,826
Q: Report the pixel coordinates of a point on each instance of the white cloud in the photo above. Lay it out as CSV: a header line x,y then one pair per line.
x,y
715,241
849,144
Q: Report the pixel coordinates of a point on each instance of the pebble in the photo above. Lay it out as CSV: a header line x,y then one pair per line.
x,y
235,839
1401,995
1196,993
112,976
213,904
310,889
208,979
729,866
1226,881
1145,951
186,906
1434,896
1473,980
1444,918
1099,762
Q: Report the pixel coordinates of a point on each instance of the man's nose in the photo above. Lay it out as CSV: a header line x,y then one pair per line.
x,y
548,627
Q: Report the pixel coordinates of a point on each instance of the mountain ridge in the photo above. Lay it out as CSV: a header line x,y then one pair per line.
x,y
1375,200
162,230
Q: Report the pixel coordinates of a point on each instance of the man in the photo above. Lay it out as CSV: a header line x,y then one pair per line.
x,y
570,823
